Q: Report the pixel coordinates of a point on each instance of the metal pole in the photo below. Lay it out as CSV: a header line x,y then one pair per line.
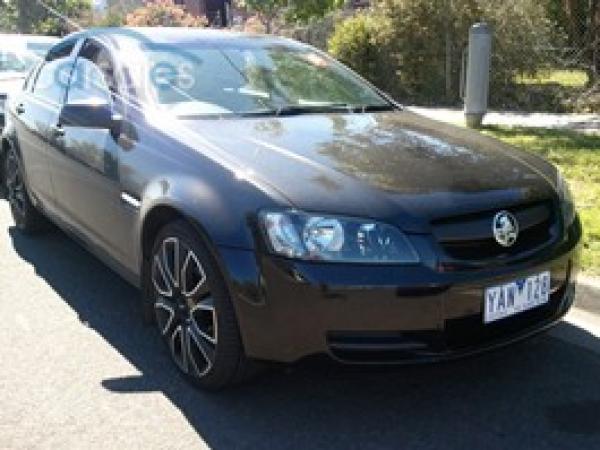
x,y
478,74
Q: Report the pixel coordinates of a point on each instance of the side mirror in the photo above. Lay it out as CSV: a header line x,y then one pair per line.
x,y
90,114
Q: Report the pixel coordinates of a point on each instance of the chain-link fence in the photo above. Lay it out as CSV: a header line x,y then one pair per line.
x,y
567,77
546,53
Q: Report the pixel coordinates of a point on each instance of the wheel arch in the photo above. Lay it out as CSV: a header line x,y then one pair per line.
x,y
155,219
161,214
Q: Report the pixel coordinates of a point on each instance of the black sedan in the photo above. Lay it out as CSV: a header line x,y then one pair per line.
x,y
271,204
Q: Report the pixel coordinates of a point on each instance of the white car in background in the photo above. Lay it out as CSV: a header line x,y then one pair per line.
x,y
18,54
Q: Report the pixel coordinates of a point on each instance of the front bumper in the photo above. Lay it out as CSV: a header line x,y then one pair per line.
x,y
375,314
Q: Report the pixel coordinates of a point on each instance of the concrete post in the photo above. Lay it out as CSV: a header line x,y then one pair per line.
x,y
478,74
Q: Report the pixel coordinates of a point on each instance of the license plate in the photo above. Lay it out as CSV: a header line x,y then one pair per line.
x,y
515,297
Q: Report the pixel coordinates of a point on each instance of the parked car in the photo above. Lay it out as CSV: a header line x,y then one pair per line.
x,y
18,54
271,204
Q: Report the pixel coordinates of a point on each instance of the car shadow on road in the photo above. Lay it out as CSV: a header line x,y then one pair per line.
x,y
540,394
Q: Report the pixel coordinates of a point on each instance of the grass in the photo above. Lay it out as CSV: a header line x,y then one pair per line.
x,y
578,157
562,77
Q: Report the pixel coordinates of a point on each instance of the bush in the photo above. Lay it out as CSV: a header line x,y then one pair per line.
x,y
363,42
315,31
411,41
254,25
111,19
163,13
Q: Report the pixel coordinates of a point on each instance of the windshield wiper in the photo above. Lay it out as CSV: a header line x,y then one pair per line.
x,y
296,110
376,108
292,110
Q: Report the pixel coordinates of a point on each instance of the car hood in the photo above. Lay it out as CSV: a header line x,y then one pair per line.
x,y
398,165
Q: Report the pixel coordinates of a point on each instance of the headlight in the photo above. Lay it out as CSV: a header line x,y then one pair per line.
x,y
338,239
567,204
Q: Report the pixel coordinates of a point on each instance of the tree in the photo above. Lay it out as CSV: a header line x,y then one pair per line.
x,y
290,10
116,12
111,19
570,16
413,48
52,17
304,10
580,20
266,10
163,13
8,16
593,39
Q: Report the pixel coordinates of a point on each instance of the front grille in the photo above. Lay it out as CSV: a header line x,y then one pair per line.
x,y
470,237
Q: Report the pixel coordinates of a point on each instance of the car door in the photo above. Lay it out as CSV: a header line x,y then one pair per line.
x,y
85,160
34,112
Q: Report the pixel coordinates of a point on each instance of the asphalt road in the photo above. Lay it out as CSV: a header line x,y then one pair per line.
x,y
78,370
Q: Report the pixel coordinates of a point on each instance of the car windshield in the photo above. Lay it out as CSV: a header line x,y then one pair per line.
x,y
16,60
254,80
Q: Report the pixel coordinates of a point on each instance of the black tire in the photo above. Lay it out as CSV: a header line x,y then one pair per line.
x,y
198,312
25,215
2,174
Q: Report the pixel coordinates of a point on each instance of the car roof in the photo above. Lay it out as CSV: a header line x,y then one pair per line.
x,y
181,35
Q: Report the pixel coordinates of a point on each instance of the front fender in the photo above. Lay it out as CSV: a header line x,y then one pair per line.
x,y
223,211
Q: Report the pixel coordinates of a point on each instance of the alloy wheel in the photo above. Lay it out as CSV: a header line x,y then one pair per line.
x,y
184,307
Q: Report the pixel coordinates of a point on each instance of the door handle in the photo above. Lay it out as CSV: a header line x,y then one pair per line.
x,y
20,109
58,131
